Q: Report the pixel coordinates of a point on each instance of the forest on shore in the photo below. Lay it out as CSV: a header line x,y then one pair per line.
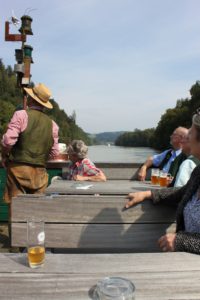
x,y
159,137
11,97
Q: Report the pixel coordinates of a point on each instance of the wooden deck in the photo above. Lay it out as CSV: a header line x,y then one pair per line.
x,y
156,276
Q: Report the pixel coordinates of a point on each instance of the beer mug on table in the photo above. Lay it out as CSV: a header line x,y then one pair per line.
x,y
163,179
35,243
155,176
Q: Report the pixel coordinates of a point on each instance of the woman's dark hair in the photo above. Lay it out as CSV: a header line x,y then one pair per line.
x,y
196,123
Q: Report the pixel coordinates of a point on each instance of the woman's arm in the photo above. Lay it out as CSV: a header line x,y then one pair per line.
x,y
90,172
187,242
98,177
170,196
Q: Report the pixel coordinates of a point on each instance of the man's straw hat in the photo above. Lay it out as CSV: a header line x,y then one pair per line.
x,y
41,94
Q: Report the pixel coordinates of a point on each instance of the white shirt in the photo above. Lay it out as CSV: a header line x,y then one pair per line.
x,y
184,172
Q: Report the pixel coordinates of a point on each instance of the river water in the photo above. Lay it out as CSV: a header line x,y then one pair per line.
x,y
104,153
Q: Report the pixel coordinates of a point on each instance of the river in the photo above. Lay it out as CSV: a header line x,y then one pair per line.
x,y
104,153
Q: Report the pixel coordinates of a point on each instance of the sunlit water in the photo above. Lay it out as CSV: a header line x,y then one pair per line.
x,y
104,153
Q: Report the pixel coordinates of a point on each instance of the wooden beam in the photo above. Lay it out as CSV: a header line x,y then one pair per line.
x,y
13,37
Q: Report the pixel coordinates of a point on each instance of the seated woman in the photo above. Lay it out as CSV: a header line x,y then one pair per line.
x,y
80,167
187,199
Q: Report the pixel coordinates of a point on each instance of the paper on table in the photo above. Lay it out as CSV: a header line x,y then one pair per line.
x,y
81,186
84,187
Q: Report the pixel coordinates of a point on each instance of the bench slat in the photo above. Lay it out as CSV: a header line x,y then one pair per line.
x,y
120,173
88,209
134,237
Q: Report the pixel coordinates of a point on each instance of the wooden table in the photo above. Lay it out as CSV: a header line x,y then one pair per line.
x,y
157,276
110,187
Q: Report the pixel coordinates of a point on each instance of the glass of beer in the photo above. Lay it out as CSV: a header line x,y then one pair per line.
x,y
163,179
35,243
155,176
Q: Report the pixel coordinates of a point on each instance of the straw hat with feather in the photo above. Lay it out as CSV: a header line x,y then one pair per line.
x,y
41,94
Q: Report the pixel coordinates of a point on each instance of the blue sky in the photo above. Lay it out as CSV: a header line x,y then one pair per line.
x,y
118,63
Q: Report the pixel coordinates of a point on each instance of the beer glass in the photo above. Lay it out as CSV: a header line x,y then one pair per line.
x,y
115,288
35,243
163,179
155,176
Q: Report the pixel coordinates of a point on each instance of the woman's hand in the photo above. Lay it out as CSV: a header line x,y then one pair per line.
x,y
134,198
167,242
80,178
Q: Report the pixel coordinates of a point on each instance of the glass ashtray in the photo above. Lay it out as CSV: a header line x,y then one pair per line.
x,y
115,288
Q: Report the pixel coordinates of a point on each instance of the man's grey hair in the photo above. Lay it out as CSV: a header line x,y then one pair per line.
x,y
79,148
196,120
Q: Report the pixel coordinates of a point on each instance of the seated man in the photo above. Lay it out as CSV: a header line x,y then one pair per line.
x,y
80,167
170,159
187,166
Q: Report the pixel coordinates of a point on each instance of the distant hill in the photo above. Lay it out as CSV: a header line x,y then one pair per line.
x,y
105,137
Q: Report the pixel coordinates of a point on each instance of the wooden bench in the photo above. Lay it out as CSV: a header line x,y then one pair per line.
x,y
113,171
90,223
127,171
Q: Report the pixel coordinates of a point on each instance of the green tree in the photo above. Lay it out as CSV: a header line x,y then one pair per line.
x,y
11,96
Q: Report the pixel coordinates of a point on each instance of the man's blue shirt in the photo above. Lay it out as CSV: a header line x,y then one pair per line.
x,y
158,158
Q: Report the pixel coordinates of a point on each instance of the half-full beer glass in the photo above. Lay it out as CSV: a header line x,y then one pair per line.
x,y
163,179
35,243
155,176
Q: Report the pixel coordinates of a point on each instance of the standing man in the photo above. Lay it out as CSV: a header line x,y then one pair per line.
x,y
30,140
170,159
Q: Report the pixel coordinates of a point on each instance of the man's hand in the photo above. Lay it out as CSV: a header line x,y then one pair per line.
x,y
167,242
142,173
